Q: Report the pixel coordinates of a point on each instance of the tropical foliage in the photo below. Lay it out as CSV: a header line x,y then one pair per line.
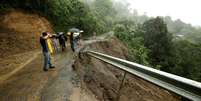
x,y
162,43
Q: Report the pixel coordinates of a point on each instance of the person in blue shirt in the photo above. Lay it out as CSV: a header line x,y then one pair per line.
x,y
45,50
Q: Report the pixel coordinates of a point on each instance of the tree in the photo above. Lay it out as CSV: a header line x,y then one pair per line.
x,y
159,41
105,13
187,60
131,35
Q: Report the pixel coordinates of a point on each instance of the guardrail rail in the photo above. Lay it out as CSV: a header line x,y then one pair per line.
x,y
182,86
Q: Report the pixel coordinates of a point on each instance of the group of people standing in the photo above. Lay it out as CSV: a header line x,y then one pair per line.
x,y
50,44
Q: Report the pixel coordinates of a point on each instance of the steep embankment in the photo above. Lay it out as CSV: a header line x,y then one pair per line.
x,y
104,80
19,31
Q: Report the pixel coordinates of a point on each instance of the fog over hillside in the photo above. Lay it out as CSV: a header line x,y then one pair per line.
x,y
186,10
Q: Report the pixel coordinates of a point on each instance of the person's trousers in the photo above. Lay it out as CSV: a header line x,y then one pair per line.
x,y
47,60
55,45
73,44
63,46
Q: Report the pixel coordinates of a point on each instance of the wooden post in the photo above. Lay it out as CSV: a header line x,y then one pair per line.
x,y
121,85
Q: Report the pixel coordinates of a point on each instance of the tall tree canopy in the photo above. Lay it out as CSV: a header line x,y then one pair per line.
x,y
158,40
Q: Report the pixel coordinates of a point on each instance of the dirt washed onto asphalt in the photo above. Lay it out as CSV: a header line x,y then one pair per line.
x,y
12,64
31,83
104,80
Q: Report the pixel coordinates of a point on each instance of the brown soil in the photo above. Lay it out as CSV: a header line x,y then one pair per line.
x,y
20,31
13,64
103,80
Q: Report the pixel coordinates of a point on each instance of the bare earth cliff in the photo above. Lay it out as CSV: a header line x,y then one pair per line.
x,y
19,31
103,80
19,38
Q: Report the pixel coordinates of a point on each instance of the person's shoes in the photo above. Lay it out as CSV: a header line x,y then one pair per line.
x,y
45,70
52,67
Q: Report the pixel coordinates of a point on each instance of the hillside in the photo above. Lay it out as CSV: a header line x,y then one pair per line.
x,y
19,31
103,79
159,42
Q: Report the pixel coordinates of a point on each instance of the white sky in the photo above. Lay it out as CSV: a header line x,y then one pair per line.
x,y
188,11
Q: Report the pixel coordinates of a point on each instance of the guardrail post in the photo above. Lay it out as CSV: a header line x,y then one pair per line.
x,y
184,87
120,87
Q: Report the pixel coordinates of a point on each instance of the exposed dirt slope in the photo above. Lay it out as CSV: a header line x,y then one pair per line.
x,y
104,80
19,31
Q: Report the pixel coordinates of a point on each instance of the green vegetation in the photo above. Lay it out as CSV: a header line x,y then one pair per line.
x,y
187,57
151,44
131,35
159,41
65,14
171,46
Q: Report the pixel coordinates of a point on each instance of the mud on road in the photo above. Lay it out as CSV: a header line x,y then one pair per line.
x,y
33,84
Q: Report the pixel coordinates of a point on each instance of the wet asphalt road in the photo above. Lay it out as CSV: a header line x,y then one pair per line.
x,y
33,84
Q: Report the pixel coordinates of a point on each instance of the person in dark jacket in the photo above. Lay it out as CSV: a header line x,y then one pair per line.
x,y
62,39
47,59
72,41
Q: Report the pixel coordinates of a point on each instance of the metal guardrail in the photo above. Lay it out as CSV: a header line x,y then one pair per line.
x,y
185,87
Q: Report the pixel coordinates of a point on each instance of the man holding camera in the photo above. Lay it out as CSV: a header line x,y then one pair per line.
x,y
46,50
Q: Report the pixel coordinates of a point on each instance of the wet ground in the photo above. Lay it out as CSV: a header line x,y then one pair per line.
x,y
31,83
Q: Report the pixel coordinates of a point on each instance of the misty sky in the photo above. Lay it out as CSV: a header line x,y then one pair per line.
x,y
188,11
